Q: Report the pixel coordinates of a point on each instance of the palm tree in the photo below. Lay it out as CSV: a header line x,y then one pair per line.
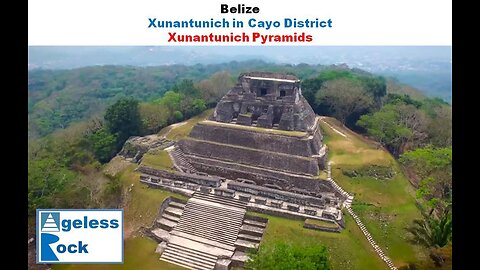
x,y
432,231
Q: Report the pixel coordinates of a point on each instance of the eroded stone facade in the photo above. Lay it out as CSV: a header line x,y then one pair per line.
x,y
269,100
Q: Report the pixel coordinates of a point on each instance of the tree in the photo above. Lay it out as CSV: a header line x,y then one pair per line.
x,y
154,117
281,255
215,87
416,121
386,128
345,99
103,144
309,90
123,119
377,86
46,178
431,231
433,166
172,102
440,127
186,88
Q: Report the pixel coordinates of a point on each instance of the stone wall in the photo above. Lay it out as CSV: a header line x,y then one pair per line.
x,y
277,194
212,181
259,140
262,176
250,156
321,228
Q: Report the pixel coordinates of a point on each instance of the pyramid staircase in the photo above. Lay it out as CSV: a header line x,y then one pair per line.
x,y
207,229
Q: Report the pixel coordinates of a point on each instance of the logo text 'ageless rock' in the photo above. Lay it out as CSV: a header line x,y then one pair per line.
x,y
80,236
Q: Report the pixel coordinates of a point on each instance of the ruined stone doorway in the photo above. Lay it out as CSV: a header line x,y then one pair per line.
x,y
263,91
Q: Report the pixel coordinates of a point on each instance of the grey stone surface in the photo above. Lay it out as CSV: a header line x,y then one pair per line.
x,y
135,147
269,98
250,156
223,264
293,145
161,247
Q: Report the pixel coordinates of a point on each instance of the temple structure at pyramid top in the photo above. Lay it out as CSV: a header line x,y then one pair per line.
x,y
268,100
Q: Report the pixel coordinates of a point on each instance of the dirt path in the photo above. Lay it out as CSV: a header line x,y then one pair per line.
x,y
334,129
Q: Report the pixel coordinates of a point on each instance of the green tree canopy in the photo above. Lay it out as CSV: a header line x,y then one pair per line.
x,y
123,119
385,127
103,144
345,99
433,166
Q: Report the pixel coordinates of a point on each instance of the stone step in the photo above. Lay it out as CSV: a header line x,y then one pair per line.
x,y
226,226
208,236
252,230
224,203
217,217
191,225
170,217
166,224
250,238
186,263
220,200
173,211
212,220
204,255
221,214
218,226
254,223
214,217
177,205
189,255
217,233
160,234
239,256
193,222
216,208
200,243
243,245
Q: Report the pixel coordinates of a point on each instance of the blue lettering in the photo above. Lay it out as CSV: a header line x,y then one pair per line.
x,y
47,252
77,223
93,223
114,224
73,248
103,223
82,248
66,225
61,248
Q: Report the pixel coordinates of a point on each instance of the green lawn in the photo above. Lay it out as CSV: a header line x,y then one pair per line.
x,y
347,250
183,129
158,160
385,206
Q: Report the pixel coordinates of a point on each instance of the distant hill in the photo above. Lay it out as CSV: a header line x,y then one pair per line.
x,y
57,98
427,68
